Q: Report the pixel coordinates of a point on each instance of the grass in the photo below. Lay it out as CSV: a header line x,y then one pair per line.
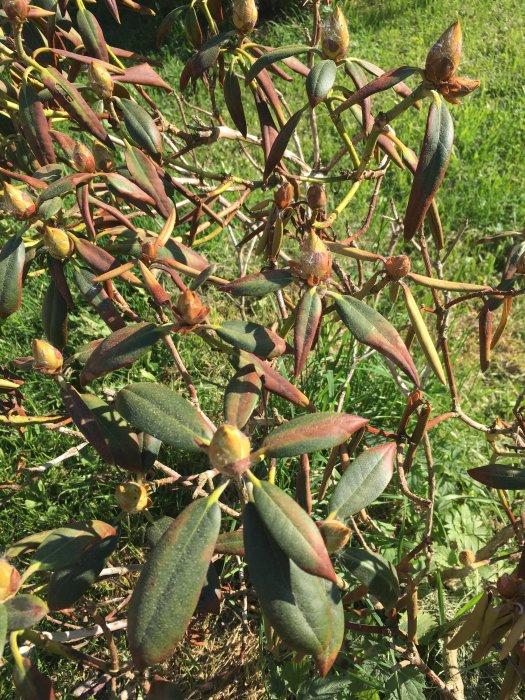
x,y
482,190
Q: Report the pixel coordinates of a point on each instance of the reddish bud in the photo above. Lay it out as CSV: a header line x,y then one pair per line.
x,y
508,586
336,535
334,37
190,308
83,159
17,203
229,450
46,358
316,197
283,196
316,260
444,57
103,158
16,10
397,267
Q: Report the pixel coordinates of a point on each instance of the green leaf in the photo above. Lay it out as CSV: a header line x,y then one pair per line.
x,y
340,688
122,442
141,127
233,99
297,534
259,284
64,545
164,690
92,35
97,296
163,413
307,318
230,543
500,476
273,57
372,329
63,186
363,481
157,529
66,586
305,610
281,142
12,259
26,544
34,124
251,337
373,571
311,433
144,173
320,81
432,166
54,316
24,611
242,396
3,629
170,583
121,349
385,81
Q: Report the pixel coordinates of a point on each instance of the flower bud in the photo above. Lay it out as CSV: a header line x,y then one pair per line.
x,y
229,450
17,203
334,36
283,195
103,158
190,308
316,197
57,242
132,497
9,580
316,259
148,252
336,535
100,80
16,10
444,57
397,266
46,358
508,586
83,159
468,558
244,15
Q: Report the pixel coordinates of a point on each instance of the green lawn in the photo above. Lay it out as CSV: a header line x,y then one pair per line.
x,y
483,191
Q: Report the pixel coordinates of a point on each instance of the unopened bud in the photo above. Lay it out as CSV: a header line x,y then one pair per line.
x,y
336,535
316,197
103,158
16,10
190,308
83,159
244,15
46,358
316,259
148,252
283,195
17,203
57,242
132,497
397,266
508,586
9,580
334,36
444,57
468,558
100,80
229,450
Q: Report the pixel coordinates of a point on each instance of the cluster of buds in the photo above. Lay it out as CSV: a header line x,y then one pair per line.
x,y
9,580
46,358
17,203
16,10
100,80
57,242
229,451
244,15
334,36
190,309
442,63
315,261
132,497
